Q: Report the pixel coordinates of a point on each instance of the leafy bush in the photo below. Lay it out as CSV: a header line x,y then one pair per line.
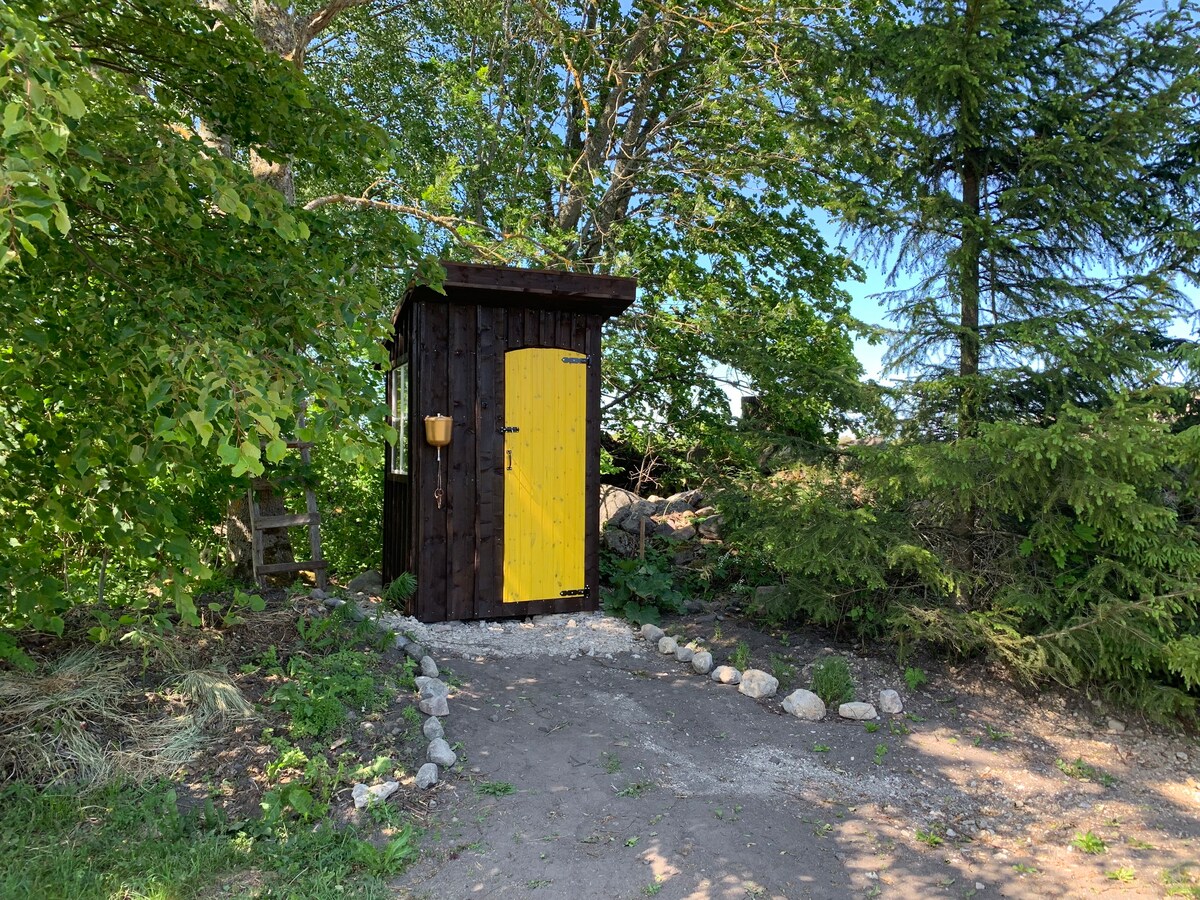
x,y
832,681
400,590
641,589
1068,551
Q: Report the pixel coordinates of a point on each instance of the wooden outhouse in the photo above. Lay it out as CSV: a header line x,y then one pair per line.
x,y
503,520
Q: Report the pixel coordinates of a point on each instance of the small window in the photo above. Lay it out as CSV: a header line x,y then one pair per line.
x,y
398,401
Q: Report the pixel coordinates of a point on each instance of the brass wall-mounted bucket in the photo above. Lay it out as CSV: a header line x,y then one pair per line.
x,y
437,430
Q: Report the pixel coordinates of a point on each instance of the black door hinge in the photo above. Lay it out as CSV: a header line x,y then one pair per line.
x,y
509,429
582,592
578,360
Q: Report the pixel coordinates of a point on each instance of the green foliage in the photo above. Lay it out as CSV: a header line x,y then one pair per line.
x,y
1084,772
782,668
133,841
401,589
494,789
1081,560
642,589
157,353
915,678
597,171
318,691
1089,842
832,681
740,658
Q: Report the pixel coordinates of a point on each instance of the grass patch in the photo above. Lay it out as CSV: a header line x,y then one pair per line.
x,y
832,681
1083,771
494,789
133,842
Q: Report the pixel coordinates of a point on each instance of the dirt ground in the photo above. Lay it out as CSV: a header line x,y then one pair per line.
x,y
634,777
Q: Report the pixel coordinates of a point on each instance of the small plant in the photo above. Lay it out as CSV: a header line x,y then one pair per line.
x,y
611,762
635,789
914,678
1023,869
994,735
642,589
782,668
1084,772
899,728
1135,844
929,836
652,888
820,748
880,752
717,632
871,727
1179,882
632,842
494,789
1089,842
832,681
401,590
740,658
823,829
1125,874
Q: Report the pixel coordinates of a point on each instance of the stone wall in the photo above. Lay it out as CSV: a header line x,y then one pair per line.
x,y
683,518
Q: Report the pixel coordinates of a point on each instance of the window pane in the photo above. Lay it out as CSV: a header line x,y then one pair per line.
x,y
399,404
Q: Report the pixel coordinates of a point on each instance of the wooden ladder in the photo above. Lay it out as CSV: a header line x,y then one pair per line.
x,y
310,517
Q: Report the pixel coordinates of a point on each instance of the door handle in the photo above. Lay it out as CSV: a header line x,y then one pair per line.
x,y
509,452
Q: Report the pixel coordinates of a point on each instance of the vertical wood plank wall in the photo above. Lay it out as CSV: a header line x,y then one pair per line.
x,y
457,369
398,509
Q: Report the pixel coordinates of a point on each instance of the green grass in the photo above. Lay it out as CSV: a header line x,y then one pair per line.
x,y
130,842
494,789
1125,875
740,658
610,761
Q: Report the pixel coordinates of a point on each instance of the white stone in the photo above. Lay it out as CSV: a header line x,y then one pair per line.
x,y
889,702
429,667
758,684
804,705
684,654
433,728
667,645
726,675
427,775
440,753
702,662
857,711
365,796
651,632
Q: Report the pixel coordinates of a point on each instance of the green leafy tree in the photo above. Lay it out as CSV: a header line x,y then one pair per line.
x,y
605,138
165,310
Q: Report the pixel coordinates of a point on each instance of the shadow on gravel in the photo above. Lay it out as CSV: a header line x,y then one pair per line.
x,y
633,778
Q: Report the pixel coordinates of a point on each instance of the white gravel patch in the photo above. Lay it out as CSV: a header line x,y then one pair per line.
x,y
578,634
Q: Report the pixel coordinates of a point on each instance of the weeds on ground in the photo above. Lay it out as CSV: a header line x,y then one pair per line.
x,y
1089,842
832,681
915,678
635,789
1084,772
494,789
740,658
782,669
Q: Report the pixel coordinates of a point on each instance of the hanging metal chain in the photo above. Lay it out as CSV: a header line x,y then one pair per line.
x,y
438,493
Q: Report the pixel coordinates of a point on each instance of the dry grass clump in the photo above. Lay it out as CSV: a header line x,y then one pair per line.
x,y
81,720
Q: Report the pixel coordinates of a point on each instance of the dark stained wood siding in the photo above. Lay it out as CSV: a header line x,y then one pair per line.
x,y
457,345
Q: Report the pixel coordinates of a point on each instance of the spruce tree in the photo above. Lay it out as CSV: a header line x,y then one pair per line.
x,y
1036,195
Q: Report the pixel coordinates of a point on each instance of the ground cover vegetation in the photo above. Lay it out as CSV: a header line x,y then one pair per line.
x,y
208,210
223,756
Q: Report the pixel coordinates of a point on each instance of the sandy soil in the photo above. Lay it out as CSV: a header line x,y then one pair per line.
x,y
633,776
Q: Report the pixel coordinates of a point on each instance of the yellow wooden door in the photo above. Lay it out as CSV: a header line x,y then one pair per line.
x,y
544,489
